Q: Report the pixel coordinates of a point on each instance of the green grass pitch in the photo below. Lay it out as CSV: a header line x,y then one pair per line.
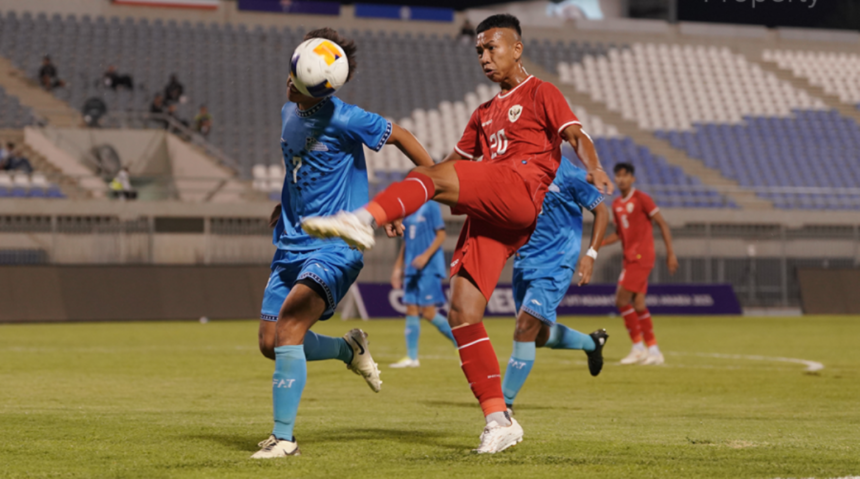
x,y
155,400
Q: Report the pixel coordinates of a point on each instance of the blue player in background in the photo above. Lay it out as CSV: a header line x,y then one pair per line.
x,y
543,270
419,271
323,143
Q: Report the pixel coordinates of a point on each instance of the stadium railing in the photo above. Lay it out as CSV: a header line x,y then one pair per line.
x,y
760,260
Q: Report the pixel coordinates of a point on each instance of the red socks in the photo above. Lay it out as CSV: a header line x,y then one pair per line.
x,y
481,365
401,199
631,320
647,328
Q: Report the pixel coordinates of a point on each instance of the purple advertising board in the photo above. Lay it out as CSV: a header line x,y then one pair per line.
x,y
379,300
291,6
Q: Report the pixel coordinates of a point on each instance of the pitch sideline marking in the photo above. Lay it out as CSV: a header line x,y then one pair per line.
x,y
811,366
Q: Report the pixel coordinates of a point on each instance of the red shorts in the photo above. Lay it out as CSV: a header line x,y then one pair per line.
x,y
634,277
501,218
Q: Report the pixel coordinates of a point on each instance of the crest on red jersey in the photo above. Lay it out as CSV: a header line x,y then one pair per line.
x,y
514,113
630,207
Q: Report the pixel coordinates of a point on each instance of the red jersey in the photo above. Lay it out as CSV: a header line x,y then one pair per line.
x,y
632,216
521,128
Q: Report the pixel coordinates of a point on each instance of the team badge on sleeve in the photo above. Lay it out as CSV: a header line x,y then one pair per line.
x,y
514,113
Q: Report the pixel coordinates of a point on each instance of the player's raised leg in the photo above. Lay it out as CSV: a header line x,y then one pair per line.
x,y
537,301
337,268
396,202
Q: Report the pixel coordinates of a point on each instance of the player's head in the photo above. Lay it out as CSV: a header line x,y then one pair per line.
x,y
349,48
499,45
625,175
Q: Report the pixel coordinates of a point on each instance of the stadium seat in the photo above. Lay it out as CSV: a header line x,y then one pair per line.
x,y
20,185
5,184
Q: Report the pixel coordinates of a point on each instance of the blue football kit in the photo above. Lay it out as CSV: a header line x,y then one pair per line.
x,y
423,287
326,173
544,267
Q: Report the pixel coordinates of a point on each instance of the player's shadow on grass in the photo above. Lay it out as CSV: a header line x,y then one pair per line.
x,y
519,407
249,443
424,438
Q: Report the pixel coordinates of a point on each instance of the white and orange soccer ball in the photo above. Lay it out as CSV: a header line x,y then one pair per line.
x,y
319,67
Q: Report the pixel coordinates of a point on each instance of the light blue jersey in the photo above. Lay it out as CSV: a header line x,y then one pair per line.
x,y
544,267
326,173
420,232
325,168
557,238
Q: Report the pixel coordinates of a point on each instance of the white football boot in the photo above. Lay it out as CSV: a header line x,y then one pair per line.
x,y
653,360
497,438
405,363
344,225
277,448
362,362
636,356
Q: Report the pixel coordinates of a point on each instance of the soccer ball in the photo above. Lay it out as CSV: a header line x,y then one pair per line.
x,y
319,67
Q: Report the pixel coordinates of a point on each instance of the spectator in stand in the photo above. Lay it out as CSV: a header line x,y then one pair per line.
x,y
48,76
156,110
176,130
467,33
203,121
114,80
14,161
173,113
173,91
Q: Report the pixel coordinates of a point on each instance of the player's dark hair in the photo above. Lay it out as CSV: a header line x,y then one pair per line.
x,y
501,20
628,167
349,47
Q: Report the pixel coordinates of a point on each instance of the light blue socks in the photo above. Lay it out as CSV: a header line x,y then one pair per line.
x,y
288,382
519,367
319,348
441,323
562,337
412,333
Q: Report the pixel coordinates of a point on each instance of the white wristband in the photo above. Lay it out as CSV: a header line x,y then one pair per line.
x,y
591,253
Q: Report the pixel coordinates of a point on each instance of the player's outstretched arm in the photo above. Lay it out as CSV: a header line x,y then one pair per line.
x,y
586,264
409,145
397,272
587,153
421,261
671,259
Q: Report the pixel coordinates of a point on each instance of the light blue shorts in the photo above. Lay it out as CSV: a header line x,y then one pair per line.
x,y
334,268
539,292
423,290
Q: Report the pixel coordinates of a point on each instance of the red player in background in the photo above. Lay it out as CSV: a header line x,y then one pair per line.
x,y
633,213
514,143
